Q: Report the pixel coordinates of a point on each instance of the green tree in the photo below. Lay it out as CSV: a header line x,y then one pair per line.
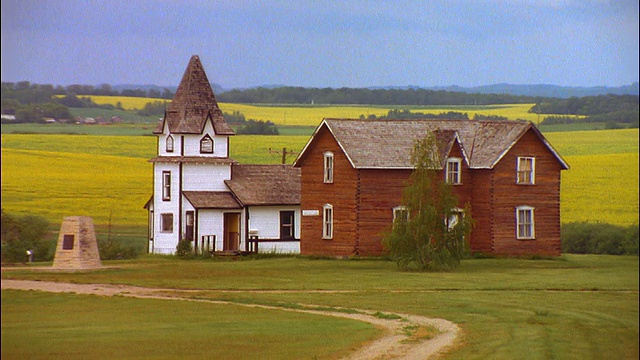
x,y
434,234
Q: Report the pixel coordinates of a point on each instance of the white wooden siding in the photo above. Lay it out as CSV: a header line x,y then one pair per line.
x,y
205,177
266,220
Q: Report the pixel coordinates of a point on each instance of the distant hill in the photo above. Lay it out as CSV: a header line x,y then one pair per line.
x,y
552,91
543,90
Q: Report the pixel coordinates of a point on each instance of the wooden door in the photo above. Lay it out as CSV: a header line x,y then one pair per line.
x,y
231,231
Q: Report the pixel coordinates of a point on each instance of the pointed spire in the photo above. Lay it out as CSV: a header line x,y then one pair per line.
x,y
193,103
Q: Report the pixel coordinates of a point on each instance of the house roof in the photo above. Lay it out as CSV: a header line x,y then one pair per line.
x,y
380,144
193,105
212,199
265,184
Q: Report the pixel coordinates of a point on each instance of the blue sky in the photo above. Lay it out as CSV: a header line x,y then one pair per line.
x,y
348,43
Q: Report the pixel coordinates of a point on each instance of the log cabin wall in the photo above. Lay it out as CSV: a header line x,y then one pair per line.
x,y
543,196
379,192
341,194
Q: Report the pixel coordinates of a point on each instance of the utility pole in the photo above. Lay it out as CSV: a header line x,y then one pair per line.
x,y
284,153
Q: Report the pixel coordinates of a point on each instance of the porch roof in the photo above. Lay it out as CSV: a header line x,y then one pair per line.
x,y
212,199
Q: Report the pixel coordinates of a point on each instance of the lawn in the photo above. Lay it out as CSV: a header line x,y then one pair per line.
x,y
38,325
574,307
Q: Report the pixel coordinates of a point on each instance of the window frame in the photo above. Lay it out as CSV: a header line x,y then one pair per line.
x,y
457,214
166,223
457,173
166,186
397,211
288,227
327,221
204,140
525,177
328,166
169,144
525,230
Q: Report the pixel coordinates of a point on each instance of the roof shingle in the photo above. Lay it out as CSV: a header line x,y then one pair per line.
x,y
194,103
265,184
389,143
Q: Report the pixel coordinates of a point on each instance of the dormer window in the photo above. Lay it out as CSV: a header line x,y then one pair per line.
x,y
169,144
453,171
206,145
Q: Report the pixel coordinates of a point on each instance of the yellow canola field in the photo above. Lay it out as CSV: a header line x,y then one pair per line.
x,y
59,184
312,115
84,178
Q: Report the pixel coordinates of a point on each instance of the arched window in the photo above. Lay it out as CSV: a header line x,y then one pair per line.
x,y
206,145
169,144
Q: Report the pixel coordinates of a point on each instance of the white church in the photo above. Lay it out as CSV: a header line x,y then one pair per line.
x,y
203,196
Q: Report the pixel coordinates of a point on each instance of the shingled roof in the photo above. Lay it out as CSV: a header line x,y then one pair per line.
x,y
193,104
212,199
265,184
380,144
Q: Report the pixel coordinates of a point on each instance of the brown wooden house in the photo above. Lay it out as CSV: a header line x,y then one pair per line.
x,y
354,172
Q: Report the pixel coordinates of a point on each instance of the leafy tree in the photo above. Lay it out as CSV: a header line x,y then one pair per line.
x,y
434,235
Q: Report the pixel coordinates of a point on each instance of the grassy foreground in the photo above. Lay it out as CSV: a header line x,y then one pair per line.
x,y
575,307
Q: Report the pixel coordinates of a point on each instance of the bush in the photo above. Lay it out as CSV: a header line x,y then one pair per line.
x,y
599,238
184,249
22,233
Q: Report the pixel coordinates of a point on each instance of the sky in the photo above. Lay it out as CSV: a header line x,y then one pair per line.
x,y
347,43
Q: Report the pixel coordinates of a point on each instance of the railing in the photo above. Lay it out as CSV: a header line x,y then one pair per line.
x,y
253,244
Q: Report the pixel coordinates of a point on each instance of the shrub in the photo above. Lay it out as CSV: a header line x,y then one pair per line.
x,y
599,238
184,249
22,233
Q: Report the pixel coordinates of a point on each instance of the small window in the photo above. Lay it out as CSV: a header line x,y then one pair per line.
x,y
453,171
327,221
169,144
206,145
400,213
328,167
167,223
526,170
286,224
525,223
166,185
455,217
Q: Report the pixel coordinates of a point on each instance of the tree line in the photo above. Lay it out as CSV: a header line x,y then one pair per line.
x,y
611,109
364,96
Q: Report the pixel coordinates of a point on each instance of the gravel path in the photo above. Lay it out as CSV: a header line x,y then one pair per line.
x,y
404,338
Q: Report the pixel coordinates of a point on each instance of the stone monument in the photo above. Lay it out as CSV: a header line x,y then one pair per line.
x,y
77,247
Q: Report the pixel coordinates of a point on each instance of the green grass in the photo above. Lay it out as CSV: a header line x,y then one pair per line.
x,y
575,307
38,325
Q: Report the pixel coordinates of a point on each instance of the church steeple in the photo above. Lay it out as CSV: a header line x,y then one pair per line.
x,y
194,103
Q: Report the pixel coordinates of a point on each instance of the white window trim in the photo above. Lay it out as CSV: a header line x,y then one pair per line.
x,y
532,226
207,138
170,143
327,221
328,166
166,185
458,161
459,214
532,176
399,209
